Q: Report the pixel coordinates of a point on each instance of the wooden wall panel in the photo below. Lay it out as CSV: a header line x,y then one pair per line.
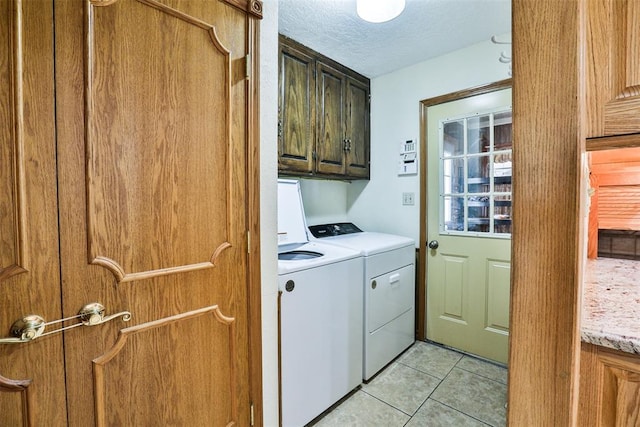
x,y
619,207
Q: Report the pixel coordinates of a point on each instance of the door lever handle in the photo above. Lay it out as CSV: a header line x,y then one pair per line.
x,y
32,326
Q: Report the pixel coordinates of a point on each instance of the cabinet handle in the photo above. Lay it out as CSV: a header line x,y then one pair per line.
x,y
32,326
279,128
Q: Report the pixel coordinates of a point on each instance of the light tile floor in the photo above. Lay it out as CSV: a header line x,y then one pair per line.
x,y
427,386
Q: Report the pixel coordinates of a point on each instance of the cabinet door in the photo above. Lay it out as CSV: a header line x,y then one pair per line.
x,y
330,145
357,130
609,387
296,122
613,67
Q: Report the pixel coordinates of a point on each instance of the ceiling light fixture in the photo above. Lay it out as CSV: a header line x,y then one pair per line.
x,y
377,11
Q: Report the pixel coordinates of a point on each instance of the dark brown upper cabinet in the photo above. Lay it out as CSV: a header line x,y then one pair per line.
x,y
323,123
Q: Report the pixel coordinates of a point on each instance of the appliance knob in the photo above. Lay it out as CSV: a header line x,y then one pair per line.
x,y
289,285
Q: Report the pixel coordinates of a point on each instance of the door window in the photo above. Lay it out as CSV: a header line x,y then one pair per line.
x,y
475,174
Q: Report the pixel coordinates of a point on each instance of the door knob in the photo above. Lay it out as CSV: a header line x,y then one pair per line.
x,y
434,244
32,326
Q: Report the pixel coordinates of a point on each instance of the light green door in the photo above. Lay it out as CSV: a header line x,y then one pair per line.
x,y
469,224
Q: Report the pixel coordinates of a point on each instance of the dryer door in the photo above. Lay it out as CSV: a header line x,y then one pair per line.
x,y
389,295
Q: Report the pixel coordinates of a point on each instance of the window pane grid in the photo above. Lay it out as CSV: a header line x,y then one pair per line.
x,y
475,187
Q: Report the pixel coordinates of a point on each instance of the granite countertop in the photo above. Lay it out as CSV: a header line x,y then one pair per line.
x,y
611,304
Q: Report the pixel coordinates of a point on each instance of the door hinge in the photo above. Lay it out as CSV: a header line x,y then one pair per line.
x,y
251,420
247,62
248,241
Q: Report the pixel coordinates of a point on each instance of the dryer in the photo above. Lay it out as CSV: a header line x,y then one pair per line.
x,y
389,290
320,315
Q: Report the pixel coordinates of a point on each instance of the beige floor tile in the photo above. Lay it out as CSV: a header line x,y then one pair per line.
x,y
435,414
431,359
402,387
362,410
474,395
482,368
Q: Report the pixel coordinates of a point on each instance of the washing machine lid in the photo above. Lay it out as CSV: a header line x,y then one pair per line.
x,y
292,225
330,254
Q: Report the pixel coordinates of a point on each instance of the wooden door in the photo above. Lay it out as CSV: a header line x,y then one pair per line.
x,y
32,383
154,129
330,142
357,129
296,110
469,216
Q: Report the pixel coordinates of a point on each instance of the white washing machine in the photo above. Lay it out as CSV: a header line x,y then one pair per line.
x,y
389,290
320,315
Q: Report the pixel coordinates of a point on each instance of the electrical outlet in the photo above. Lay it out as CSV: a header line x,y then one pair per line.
x,y
407,199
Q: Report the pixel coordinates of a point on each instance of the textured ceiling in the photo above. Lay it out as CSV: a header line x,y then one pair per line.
x,y
426,29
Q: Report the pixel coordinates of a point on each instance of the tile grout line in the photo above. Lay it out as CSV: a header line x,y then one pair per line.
x,y
439,382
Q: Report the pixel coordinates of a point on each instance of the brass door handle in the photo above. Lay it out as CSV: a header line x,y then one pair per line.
x,y
32,326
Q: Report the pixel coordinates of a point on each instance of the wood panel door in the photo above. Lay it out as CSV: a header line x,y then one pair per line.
x,y
357,129
152,141
32,382
296,110
330,142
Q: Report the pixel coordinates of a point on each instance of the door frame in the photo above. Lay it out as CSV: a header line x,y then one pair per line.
x,y
254,296
421,291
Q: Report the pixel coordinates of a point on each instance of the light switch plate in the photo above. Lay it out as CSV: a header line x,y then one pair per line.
x,y
408,199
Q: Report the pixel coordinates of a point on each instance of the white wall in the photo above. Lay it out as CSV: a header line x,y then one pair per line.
x,y
324,201
268,198
376,205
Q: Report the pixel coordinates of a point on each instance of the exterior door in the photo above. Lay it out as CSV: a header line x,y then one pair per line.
x,y
469,224
144,165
